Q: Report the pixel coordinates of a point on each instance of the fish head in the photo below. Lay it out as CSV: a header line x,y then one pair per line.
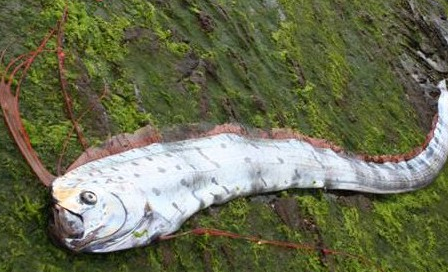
x,y
103,216
86,215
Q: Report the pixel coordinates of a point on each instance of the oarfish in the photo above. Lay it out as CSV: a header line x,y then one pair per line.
x,y
132,198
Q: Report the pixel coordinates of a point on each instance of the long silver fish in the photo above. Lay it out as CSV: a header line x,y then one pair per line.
x,y
132,198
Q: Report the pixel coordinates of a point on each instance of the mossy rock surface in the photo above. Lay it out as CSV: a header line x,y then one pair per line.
x,y
353,72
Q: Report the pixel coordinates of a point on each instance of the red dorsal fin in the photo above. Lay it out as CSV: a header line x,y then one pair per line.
x,y
148,135
117,144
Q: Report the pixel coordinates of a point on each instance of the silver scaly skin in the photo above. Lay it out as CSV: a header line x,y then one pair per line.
x,y
132,198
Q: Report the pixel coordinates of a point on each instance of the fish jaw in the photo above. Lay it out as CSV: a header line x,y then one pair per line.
x,y
64,226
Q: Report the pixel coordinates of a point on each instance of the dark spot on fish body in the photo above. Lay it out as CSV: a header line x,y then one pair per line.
x,y
294,184
161,170
147,209
134,163
247,160
223,145
225,189
256,187
379,174
258,183
217,198
198,181
410,167
149,158
120,178
436,140
264,181
317,159
282,161
156,191
136,175
192,166
184,182
429,152
176,207
296,176
328,184
115,169
201,202
207,158
420,160
178,167
214,181
169,155
254,145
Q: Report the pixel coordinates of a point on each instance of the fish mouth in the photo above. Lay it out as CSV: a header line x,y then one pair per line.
x,y
64,225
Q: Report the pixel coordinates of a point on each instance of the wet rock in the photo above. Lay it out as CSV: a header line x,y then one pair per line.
x,y
206,22
362,201
289,212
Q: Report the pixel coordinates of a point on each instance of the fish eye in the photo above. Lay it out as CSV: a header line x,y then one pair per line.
x,y
88,197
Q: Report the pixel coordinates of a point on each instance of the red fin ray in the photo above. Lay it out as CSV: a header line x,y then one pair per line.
x,y
117,144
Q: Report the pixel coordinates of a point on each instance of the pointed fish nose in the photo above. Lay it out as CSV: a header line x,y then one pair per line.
x,y
66,224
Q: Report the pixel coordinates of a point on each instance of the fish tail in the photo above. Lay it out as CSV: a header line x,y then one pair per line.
x,y
401,173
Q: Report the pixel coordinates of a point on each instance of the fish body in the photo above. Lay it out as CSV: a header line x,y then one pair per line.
x,y
132,198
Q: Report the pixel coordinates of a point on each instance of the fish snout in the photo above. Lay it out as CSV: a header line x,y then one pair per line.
x,y
65,225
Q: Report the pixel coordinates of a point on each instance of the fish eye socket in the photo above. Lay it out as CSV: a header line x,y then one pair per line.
x,y
88,197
